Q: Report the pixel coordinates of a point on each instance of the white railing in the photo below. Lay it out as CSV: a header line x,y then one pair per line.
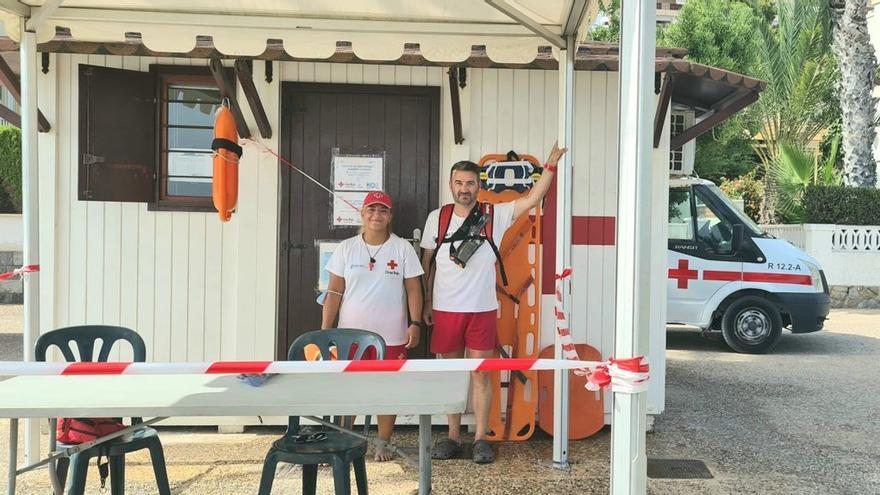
x,y
849,254
794,234
855,238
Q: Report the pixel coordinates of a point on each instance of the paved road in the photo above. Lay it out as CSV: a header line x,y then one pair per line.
x,y
800,421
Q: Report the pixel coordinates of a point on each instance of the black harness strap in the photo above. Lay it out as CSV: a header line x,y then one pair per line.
x,y
220,143
462,234
500,263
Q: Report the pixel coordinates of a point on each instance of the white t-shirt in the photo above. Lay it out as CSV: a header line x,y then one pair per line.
x,y
470,289
375,300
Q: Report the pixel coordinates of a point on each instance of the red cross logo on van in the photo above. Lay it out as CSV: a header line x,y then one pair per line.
x,y
683,274
392,265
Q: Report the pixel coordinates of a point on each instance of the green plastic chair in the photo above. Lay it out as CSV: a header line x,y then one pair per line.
x,y
310,449
83,338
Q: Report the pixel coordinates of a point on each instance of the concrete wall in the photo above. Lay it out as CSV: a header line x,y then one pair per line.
x,y
11,290
11,238
11,232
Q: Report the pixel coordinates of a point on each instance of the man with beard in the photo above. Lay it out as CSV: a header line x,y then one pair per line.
x,y
460,293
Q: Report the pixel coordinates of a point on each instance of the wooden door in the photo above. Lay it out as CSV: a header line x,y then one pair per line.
x,y
402,121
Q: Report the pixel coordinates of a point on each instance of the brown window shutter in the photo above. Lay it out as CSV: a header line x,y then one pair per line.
x,y
117,134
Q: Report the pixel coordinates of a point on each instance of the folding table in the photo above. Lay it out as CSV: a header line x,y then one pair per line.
x,y
413,393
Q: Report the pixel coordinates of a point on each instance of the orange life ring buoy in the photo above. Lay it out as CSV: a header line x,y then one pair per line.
x,y
226,155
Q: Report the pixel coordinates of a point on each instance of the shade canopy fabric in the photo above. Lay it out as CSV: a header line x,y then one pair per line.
x,y
377,29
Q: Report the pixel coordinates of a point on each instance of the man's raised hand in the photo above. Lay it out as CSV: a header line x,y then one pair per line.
x,y
555,154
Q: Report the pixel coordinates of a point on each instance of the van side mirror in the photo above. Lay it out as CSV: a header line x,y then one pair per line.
x,y
738,235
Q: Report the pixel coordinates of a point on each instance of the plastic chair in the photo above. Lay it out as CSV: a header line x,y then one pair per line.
x,y
332,447
84,338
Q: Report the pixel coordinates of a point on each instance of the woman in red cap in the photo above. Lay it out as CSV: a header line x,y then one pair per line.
x,y
375,285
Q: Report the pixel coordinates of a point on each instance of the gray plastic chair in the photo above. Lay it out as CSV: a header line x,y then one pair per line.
x,y
331,447
84,338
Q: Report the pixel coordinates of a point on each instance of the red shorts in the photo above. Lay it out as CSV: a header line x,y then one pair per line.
x,y
456,331
392,352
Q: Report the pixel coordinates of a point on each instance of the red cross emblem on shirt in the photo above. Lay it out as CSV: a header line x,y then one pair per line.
x,y
392,265
683,274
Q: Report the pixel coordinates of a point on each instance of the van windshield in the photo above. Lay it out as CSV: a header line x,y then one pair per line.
x,y
748,222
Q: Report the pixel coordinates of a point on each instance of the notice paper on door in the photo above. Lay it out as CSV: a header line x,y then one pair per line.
x,y
326,248
343,213
358,172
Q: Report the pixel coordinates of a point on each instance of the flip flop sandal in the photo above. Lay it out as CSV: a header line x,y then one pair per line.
x,y
446,449
483,453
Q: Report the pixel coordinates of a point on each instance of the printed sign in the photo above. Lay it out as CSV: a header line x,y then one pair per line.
x,y
343,213
357,173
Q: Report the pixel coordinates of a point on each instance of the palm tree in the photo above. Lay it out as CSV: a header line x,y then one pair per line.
x,y
858,68
795,169
796,61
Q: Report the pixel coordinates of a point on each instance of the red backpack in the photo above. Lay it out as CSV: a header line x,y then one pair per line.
x,y
74,431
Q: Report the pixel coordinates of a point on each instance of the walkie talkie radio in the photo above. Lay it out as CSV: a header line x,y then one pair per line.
x,y
469,246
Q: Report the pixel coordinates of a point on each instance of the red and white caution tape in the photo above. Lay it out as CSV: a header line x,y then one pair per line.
x,y
19,272
568,348
624,375
619,376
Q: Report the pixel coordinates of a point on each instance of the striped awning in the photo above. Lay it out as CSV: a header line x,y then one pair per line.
x,y
445,30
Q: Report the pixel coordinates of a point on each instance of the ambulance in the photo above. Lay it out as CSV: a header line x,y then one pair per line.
x,y
725,274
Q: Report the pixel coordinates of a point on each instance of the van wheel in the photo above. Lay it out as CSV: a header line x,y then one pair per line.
x,y
751,325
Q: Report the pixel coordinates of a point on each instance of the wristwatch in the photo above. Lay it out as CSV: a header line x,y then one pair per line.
x,y
416,323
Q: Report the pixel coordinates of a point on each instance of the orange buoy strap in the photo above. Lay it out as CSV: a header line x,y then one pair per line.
x,y
220,143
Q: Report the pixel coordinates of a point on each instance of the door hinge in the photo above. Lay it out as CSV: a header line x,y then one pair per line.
x,y
90,159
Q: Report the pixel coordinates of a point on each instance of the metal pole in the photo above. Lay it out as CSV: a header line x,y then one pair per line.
x,y
57,489
13,456
563,245
30,216
425,454
637,53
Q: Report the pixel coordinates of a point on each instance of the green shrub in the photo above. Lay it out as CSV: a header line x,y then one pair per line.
x,y
748,188
842,205
727,156
10,169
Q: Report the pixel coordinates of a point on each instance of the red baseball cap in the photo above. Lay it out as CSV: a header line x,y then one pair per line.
x,y
377,197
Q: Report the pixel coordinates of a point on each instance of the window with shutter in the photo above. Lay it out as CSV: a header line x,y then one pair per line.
x,y
188,101
117,147
146,136
681,160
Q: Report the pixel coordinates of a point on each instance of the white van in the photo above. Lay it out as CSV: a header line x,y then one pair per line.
x,y
726,274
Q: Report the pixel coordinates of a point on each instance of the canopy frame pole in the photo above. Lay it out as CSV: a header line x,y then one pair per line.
x,y
528,23
30,215
635,142
39,15
563,244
